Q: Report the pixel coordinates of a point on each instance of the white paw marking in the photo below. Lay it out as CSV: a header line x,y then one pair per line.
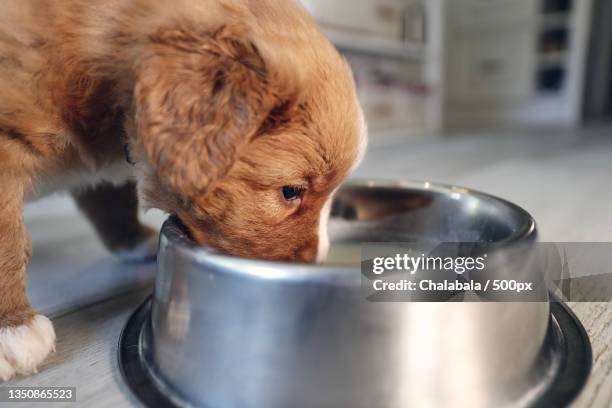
x,y
24,348
145,251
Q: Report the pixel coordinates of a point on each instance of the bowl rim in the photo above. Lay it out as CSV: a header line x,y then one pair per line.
x,y
209,258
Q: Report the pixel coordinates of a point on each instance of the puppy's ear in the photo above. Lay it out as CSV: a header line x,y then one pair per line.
x,y
199,99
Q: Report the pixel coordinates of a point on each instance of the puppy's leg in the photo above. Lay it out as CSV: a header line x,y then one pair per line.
x,y
26,338
113,211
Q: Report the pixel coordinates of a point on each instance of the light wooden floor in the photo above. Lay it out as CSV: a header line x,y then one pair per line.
x,y
563,179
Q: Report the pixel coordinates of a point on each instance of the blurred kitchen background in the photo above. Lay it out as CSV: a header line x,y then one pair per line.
x,y
435,66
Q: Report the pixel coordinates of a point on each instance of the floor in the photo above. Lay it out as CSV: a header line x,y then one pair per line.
x,y
561,178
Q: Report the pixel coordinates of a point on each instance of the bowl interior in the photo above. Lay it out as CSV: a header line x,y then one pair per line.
x,y
420,213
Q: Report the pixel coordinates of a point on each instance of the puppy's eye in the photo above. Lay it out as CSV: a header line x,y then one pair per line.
x,y
291,193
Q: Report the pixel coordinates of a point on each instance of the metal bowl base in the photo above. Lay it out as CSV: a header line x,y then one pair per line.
x,y
566,340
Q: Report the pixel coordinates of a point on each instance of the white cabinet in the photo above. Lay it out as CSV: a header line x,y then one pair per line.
x,y
497,66
490,49
384,18
474,13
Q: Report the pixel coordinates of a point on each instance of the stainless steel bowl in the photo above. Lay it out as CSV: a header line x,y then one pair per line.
x,y
231,332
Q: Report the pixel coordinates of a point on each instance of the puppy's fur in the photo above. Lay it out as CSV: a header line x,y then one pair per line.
x,y
219,104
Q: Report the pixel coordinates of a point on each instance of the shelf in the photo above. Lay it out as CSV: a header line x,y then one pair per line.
x,y
553,59
364,44
554,20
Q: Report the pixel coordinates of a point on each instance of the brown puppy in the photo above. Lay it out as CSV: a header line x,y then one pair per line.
x,y
238,115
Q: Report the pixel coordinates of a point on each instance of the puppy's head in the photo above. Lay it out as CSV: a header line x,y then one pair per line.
x,y
246,135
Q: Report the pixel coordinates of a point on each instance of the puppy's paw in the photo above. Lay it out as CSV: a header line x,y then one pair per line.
x,y
23,348
143,251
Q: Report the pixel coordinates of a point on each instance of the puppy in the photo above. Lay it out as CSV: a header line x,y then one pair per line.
x,y
238,116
